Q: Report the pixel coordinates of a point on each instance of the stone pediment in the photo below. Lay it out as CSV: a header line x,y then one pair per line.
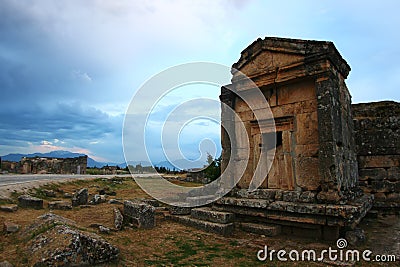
x,y
269,55
268,61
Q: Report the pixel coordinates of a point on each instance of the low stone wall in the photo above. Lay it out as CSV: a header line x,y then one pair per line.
x,y
377,135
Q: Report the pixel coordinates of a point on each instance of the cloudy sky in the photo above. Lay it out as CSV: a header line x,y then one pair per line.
x,y
69,68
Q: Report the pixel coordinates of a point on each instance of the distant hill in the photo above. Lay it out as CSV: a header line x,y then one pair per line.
x,y
92,163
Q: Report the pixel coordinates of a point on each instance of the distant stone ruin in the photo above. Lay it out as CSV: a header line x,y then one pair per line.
x,y
44,165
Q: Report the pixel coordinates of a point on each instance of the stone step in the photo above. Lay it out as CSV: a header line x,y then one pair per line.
x,y
261,229
211,227
244,202
207,214
200,200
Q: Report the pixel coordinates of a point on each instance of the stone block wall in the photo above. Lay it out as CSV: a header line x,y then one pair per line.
x,y
377,132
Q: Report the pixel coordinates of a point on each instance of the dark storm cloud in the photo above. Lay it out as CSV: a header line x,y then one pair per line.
x,y
68,67
34,123
36,64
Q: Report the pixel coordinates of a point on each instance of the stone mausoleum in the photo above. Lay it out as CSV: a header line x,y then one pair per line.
x,y
312,183
313,187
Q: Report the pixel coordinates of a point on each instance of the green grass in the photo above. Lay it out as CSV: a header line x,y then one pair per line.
x,y
15,194
42,229
4,202
198,253
38,192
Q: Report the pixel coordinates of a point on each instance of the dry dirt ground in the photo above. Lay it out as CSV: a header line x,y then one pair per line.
x,y
172,244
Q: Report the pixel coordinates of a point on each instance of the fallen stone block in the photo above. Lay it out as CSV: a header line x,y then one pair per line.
x,y
60,205
140,214
26,201
118,219
97,199
10,227
67,195
114,201
9,208
80,198
104,230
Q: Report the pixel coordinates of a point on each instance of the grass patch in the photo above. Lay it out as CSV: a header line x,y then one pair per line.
x,y
194,253
42,229
38,192
16,194
22,255
4,202
125,241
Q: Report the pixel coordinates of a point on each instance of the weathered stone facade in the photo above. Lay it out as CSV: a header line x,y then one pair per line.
x,y
303,82
8,166
313,179
377,132
53,165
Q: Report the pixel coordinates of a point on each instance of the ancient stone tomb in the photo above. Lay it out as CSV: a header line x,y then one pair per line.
x,y
312,182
